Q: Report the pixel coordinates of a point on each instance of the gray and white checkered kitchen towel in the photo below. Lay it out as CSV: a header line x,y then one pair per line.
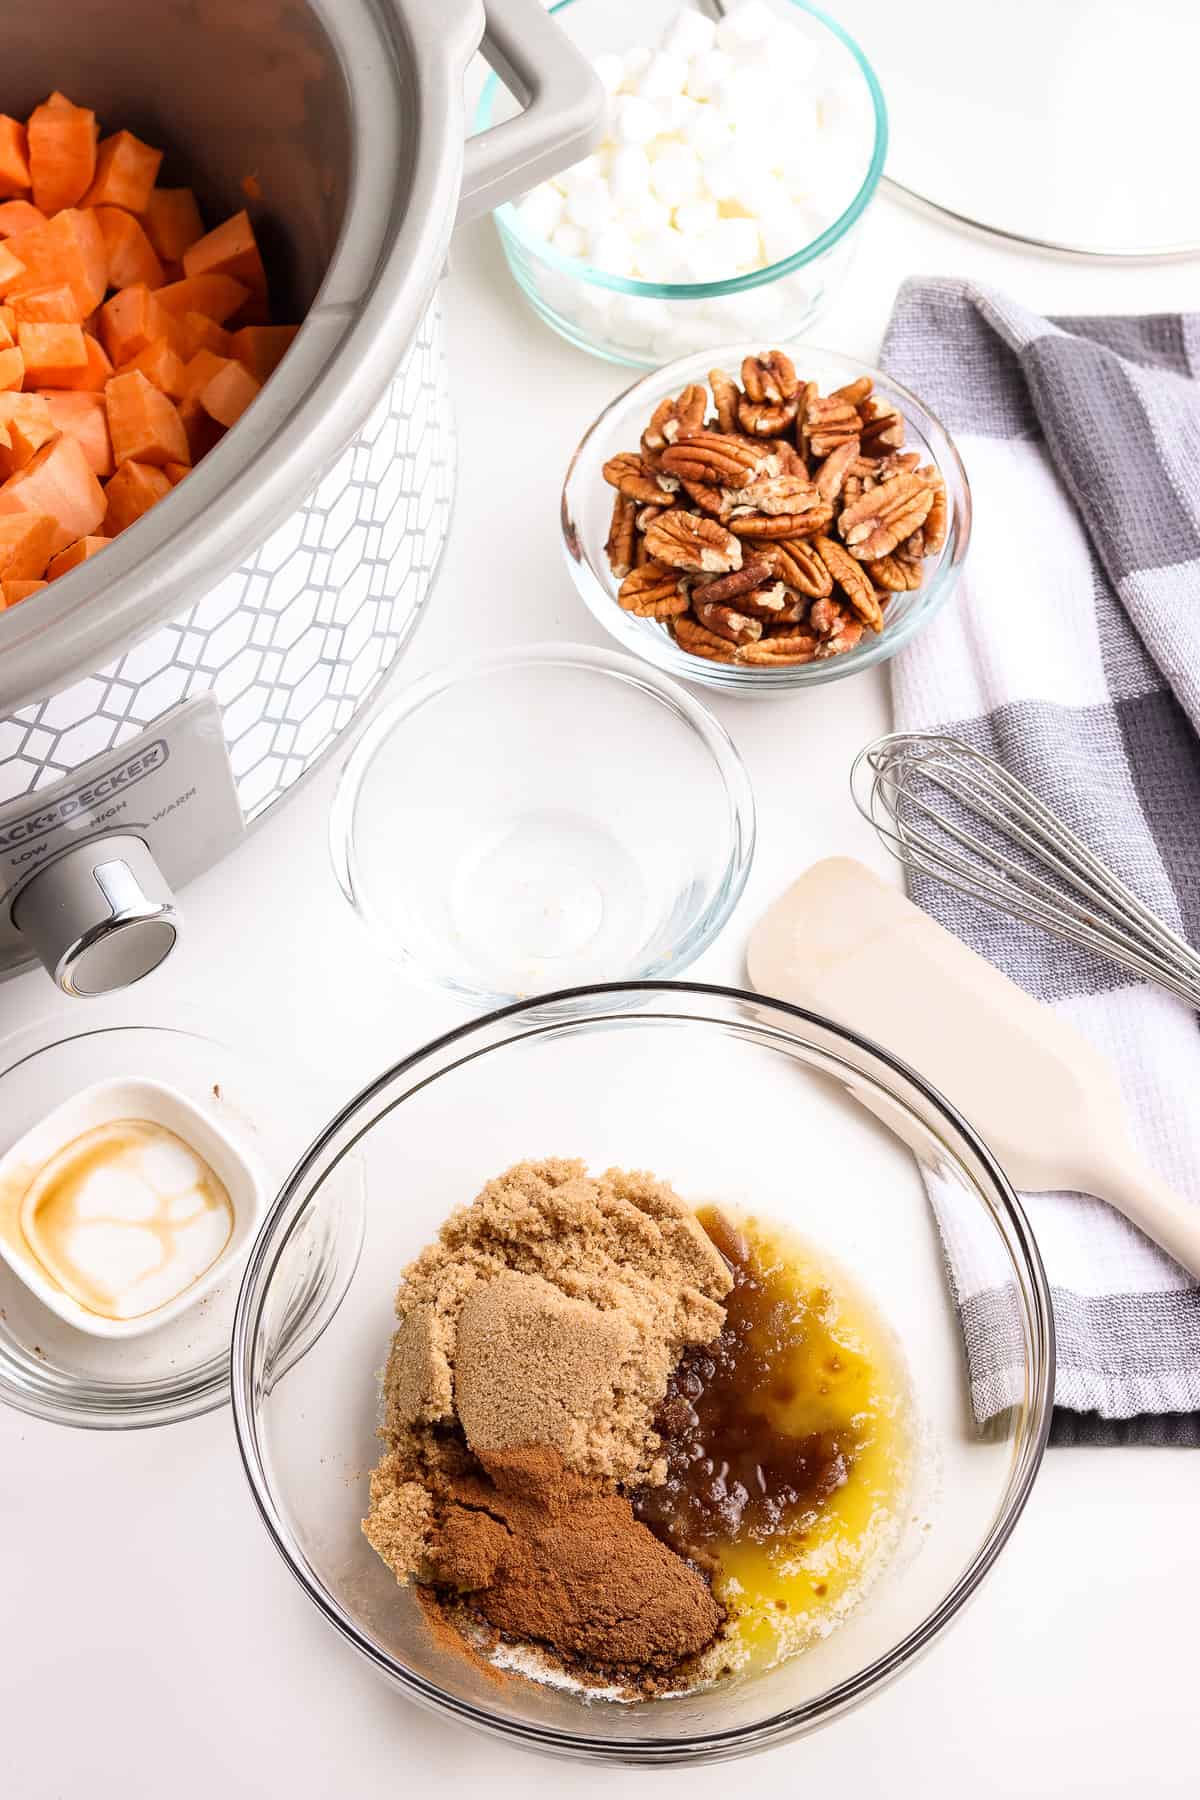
x,y
1072,653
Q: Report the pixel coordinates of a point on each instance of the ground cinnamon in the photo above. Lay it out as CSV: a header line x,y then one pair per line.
x,y
553,1557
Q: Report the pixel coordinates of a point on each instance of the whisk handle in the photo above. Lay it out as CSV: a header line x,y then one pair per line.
x,y
1135,1190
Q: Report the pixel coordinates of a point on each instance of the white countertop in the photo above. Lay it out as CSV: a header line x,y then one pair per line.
x,y
153,1643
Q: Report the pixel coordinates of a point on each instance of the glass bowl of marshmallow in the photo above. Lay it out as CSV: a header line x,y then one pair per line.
x,y
739,158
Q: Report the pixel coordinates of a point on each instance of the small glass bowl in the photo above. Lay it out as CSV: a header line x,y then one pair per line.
x,y
587,502
645,323
545,815
735,1099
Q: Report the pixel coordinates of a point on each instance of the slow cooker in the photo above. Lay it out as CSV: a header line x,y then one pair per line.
x,y
163,697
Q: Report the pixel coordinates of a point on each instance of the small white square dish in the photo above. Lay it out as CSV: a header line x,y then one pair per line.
x,y
130,1197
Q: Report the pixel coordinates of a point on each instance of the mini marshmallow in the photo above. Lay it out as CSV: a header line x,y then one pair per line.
x,y
541,211
664,76
635,120
629,175
675,175
676,112
590,206
613,251
643,216
706,72
634,64
568,240
656,257
745,26
584,173
694,218
706,130
690,34
738,243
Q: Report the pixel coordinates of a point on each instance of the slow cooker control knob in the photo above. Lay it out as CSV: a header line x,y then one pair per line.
x,y
100,917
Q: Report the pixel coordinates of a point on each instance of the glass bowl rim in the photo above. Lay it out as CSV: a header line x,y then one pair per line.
x,y
660,650
791,1721
508,224
598,659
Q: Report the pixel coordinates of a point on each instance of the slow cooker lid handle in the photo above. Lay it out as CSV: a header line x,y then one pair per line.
x,y
563,101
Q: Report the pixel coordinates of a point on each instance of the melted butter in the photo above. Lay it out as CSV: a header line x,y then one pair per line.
x,y
790,1448
125,1218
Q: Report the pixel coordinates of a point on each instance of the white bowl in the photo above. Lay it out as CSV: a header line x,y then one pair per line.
x,y
101,1104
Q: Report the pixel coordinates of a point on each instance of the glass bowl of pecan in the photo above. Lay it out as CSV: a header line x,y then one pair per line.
x,y
746,521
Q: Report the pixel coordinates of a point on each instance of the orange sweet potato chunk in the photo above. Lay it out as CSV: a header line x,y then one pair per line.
x,y
68,248
11,268
130,322
53,305
83,416
92,378
26,424
173,223
17,216
14,157
261,348
12,369
142,423
175,472
226,397
215,295
12,592
133,490
26,545
59,485
52,353
74,554
161,365
130,254
126,170
62,153
230,249
199,333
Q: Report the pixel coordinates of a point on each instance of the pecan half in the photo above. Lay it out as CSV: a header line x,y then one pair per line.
x,y
653,592
773,603
753,572
686,541
853,580
830,422
831,474
737,627
799,565
673,419
646,515
782,525
726,394
699,641
785,648
719,460
775,494
895,573
808,393
846,637
876,522
772,396
882,428
937,519
629,475
856,391
705,499
619,545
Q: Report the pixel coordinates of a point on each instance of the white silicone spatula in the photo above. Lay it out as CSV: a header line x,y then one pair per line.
x,y
843,943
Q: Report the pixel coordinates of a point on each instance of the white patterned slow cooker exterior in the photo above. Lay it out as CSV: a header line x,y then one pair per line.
x,y
296,639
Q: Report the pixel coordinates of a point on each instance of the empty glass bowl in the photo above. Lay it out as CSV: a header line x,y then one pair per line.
x,y
587,502
734,1099
646,322
544,816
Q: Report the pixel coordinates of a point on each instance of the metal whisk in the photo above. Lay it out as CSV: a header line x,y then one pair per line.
x,y
956,815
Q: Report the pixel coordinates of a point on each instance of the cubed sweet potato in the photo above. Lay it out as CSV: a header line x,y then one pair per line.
x,y
195,332
58,484
54,305
126,170
83,416
52,353
230,249
17,216
217,296
90,379
159,364
228,394
14,157
133,490
261,348
142,423
62,153
175,472
173,223
13,592
11,268
26,423
12,370
68,248
74,554
26,545
131,255
130,322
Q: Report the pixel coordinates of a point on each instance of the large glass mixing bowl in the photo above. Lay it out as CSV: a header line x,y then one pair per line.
x,y
734,1099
